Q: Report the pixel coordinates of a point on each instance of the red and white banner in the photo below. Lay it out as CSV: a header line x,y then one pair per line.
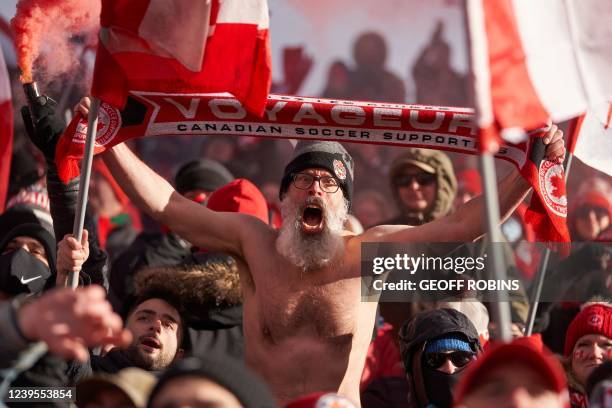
x,y
6,130
450,129
184,46
591,139
535,60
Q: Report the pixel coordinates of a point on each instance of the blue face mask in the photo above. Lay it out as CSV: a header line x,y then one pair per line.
x,y
22,272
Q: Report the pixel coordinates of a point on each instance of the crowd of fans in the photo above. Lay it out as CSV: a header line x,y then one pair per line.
x,y
164,319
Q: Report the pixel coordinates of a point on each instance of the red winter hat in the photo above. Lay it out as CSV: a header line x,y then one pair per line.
x,y
594,199
321,400
593,319
240,196
528,351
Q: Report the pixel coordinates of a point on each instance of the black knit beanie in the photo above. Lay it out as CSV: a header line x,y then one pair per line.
x,y
203,174
230,374
39,233
330,156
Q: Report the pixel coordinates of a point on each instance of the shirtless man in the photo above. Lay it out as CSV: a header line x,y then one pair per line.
x,y
305,327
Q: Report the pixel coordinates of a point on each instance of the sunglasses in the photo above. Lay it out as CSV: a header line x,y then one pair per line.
x,y
422,179
458,358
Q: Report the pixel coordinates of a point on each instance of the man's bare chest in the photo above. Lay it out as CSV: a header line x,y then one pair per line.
x,y
323,306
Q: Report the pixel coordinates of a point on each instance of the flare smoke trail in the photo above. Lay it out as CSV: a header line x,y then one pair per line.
x,y
44,29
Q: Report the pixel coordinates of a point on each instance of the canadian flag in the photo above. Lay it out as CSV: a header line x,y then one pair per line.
x,y
6,130
184,46
538,60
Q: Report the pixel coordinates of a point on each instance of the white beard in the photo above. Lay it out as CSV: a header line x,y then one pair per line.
x,y
306,251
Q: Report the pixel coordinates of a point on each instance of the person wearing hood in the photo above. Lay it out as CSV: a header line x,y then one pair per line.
x,y
424,186
27,261
436,346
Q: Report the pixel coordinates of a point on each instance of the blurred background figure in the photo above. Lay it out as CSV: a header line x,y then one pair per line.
x,y
590,213
337,86
210,382
370,79
469,185
118,221
371,207
129,388
437,83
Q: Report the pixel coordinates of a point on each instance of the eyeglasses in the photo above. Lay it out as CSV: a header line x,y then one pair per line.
x,y
304,181
422,179
458,358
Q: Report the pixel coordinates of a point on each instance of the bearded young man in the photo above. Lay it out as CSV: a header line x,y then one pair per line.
x,y
305,327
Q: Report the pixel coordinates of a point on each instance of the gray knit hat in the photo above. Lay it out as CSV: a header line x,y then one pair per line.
x,y
330,156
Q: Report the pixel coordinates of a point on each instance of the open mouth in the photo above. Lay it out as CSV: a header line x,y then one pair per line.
x,y
312,219
150,343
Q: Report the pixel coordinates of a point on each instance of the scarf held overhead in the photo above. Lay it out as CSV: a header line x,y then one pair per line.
x,y
292,117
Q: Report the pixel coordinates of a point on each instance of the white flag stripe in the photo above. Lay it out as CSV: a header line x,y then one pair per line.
x,y
480,63
245,12
185,41
594,144
5,85
568,45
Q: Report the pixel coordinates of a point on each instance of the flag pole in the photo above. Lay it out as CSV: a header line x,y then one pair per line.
x,y
79,218
533,306
497,264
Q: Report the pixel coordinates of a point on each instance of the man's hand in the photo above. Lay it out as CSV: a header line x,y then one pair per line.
x,y
70,321
44,127
555,145
71,255
83,106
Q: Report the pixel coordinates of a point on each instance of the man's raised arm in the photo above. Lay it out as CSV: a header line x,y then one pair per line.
x,y
154,195
468,222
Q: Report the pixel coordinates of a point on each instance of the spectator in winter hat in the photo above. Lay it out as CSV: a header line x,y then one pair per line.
x,y
519,374
27,260
212,381
588,344
436,346
591,216
197,179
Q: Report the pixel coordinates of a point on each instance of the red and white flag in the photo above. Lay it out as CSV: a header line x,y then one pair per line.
x,y
6,130
591,139
538,60
179,46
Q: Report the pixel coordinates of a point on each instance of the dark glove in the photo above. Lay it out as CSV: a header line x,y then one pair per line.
x,y
43,126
